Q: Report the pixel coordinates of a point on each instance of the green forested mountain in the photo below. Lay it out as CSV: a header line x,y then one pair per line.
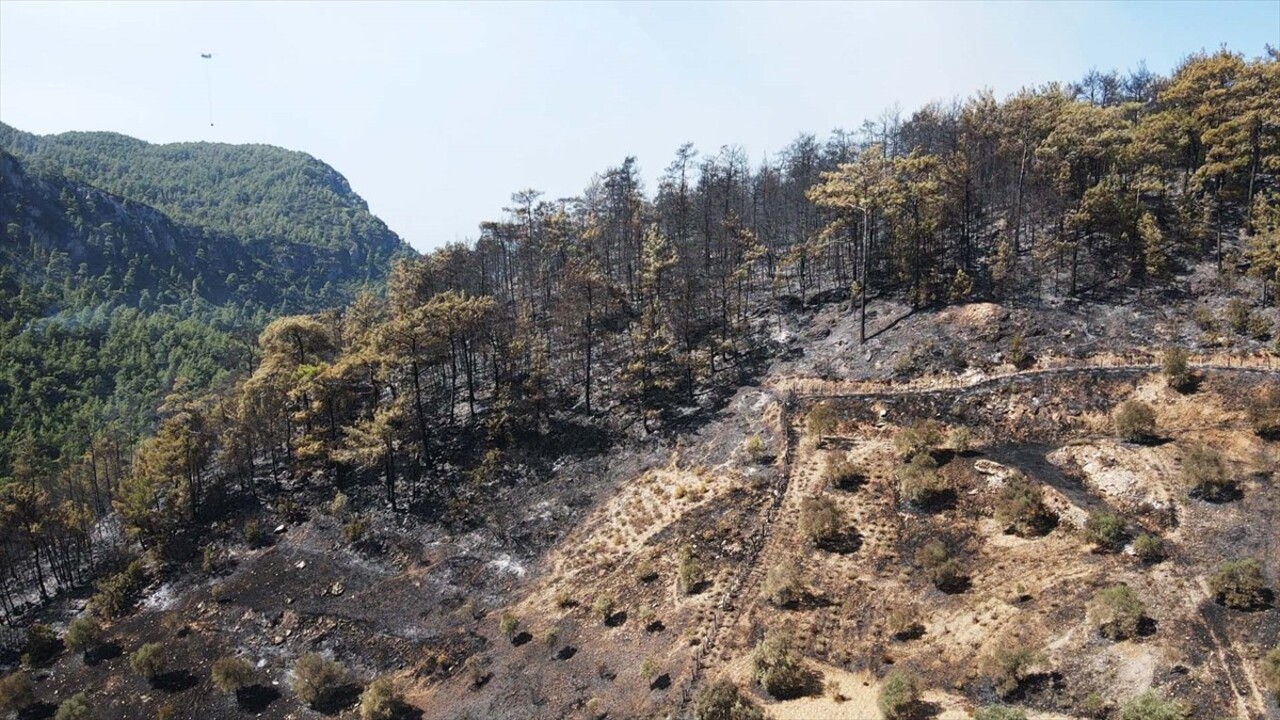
x,y
128,270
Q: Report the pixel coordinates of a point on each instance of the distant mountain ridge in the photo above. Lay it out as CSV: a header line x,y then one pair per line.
x,y
244,223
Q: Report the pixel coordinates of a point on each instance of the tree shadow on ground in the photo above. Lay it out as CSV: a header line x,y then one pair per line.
x,y
845,542
38,711
662,682
103,653
338,700
175,681
617,619
256,698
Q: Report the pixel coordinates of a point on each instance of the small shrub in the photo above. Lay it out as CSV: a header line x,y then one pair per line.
x,y
381,701
943,571
1258,327
833,691
1271,671
604,606
1177,371
42,646
840,474
210,559
1149,548
1263,412
1238,314
1119,612
999,712
353,530
16,692
1018,355
1205,319
75,707
84,635
649,668
1239,584
253,534
904,623
689,573
316,679
783,584
508,624
1150,706
338,506
117,593
1135,421
1205,474
756,449
646,572
1008,667
777,667
231,674
722,700
1106,531
821,420
959,440
898,695
922,436
565,599
147,662
820,519
644,614
1020,507
919,482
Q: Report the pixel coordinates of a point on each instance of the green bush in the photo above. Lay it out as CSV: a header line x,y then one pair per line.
x,y
1238,314
840,474
1007,667
84,634
999,712
1149,548
777,667
943,571
689,574
253,534
16,692
898,695
42,646
604,606
381,701
1020,507
1119,612
75,707
1135,421
1018,355
232,674
722,700
821,420
922,436
820,519
508,623
756,448
1271,671
1106,531
919,482
1205,474
1263,412
117,593
1177,371
316,679
353,530
1239,584
1150,706
783,584
148,661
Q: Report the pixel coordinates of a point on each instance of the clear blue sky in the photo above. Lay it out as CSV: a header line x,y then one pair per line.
x,y
437,112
